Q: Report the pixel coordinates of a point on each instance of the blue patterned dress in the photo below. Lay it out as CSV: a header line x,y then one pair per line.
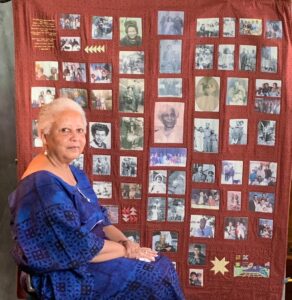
x,y
58,230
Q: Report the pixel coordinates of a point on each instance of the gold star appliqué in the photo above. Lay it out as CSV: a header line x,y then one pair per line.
x,y
219,265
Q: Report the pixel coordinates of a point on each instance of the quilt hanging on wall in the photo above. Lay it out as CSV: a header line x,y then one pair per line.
x,y
189,125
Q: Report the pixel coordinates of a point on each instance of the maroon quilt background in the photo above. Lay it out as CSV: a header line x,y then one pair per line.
x,y
252,251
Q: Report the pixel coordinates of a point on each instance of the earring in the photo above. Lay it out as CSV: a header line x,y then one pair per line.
x,y
45,152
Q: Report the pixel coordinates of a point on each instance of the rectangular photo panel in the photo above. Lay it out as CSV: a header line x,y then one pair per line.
x,y
101,99
41,96
170,56
269,59
250,26
130,32
69,21
128,166
237,91
36,140
100,135
156,209
170,22
170,87
70,43
101,165
268,88
131,191
203,173
176,183
131,62
274,29
75,72
265,228
131,133
226,57
165,241
268,106
78,95
235,228
101,28
113,213
176,210
229,27
234,200
247,57
78,162
102,189
266,135
204,55
168,157
261,202
197,254
205,199
157,181
207,27
238,131
232,172
100,73
262,173
202,226
46,70
196,277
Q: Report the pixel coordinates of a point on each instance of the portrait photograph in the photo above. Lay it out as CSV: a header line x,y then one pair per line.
x,y
41,96
226,57
268,88
266,134
176,210
128,166
100,135
131,191
170,56
102,189
232,172
262,173
157,181
133,235
203,173
156,209
72,43
274,29
101,99
170,87
101,165
237,91
131,95
113,213
238,131
247,57
69,21
261,202
207,27
207,93
100,73
250,26
172,157
235,228
170,22
164,241
130,32
268,106
265,229
234,200
78,95
205,199
196,277
176,183
131,133
168,122
78,162
206,135
75,72
102,28
46,70
36,140
131,62
204,57
202,226
269,59
229,27
197,254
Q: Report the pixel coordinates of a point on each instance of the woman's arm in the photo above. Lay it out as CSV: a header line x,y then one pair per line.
x,y
110,250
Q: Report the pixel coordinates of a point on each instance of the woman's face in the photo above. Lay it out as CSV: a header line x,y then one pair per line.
x,y
66,139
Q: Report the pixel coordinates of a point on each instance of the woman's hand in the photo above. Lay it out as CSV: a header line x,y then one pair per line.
x,y
133,250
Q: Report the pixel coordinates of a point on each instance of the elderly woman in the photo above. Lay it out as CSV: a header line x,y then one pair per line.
x,y
63,237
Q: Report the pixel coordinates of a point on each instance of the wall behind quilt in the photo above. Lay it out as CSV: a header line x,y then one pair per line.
x,y
188,104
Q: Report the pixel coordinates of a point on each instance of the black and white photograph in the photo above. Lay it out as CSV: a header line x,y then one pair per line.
x,y
169,122
238,131
131,133
274,29
176,183
247,57
196,277
202,172
269,59
128,166
207,27
234,200
168,157
206,135
131,95
70,43
41,96
261,202
204,57
101,165
130,32
237,91
130,191
229,27
207,93
232,172
75,72
250,26
70,21
205,199
266,134
262,173
46,70
133,235
36,140
100,135
78,95
170,22
176,210
102,189
226,57
165,241
268,88
202,226
265,229
157,181
170,56
78,162
113,213
101,99
235,228
100,73
156,209
131,62
268,106
170,87
197,254
102,28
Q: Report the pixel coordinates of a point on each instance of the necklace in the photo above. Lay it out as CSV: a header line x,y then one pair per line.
x,y
81,193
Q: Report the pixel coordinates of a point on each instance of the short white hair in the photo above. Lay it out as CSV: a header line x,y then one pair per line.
x,y
49,112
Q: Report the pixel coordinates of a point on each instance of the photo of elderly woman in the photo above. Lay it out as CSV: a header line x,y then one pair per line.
x,y
130,32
